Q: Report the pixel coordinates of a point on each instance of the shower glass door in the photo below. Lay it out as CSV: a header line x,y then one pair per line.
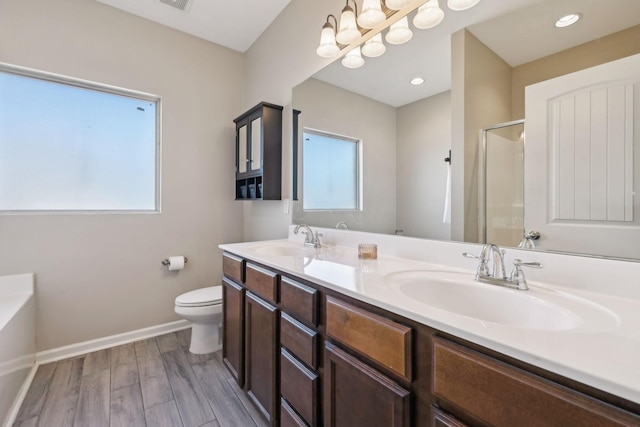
x,y
503,183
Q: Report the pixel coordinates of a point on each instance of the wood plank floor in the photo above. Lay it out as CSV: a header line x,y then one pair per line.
x,y
154,382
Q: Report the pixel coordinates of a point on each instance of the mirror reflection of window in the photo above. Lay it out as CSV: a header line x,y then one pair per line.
x,y
330,165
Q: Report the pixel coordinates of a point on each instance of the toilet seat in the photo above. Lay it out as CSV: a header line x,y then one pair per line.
x,y
211,295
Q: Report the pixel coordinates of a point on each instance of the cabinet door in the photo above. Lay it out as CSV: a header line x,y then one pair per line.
x,y
356,395
487,389
233,329
261,374
255,163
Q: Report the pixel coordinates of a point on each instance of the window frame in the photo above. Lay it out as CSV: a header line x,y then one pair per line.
x,y
359,168
108,89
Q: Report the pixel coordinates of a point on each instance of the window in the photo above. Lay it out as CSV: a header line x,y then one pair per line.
x,y
71,145
331,172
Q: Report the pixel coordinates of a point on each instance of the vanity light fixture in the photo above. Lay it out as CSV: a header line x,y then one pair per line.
x,y
429,15
328,47
371,14
348,31
399,32
458,5
376,15
417,81
353,59
567,20
374,46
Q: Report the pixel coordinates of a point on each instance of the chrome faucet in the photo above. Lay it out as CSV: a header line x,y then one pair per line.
x,y
498,262
498,276
342,225
311,238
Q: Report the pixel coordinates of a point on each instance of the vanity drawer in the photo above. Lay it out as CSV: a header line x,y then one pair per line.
x,y
233,267
378,338
299,386
503,395
442,419
299,340
288,417
299,300
261,281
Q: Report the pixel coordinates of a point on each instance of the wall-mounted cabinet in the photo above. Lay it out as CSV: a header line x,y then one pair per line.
x,y
259,153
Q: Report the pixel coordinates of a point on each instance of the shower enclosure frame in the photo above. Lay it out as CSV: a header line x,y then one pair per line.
x,y
482,187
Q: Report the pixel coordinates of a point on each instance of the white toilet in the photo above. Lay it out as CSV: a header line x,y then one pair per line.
x,y
203,308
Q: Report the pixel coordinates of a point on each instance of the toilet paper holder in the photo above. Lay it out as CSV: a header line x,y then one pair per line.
x,y
166,261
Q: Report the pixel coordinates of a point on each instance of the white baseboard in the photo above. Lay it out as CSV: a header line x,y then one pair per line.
x,y
78,349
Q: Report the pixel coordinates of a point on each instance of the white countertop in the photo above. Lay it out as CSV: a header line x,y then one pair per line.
x,y
604,355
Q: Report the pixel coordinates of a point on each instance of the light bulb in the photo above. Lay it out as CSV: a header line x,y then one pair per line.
x,y
353,59
348,32
371,14
429,15
397,4
374,47
328,47
458,5
399,32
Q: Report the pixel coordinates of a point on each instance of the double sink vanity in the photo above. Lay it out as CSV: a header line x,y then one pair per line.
x,y
319,337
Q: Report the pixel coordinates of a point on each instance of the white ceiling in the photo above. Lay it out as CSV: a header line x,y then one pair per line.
x,y
235,24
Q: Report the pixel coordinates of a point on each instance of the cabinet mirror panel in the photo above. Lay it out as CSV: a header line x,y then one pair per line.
x,y
242,149
476,65
256,144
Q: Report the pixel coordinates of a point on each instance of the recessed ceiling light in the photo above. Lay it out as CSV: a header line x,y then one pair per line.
x,y
417,81
567,20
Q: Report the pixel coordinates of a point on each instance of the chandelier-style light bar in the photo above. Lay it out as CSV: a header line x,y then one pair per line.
x,y
374,13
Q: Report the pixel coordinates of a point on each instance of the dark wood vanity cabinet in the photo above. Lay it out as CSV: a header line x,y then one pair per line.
x,y
259,153
261,363
311,356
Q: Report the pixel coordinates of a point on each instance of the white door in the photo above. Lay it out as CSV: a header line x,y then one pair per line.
x,y
582,160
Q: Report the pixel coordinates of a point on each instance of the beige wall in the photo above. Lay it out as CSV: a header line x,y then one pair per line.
x,y
331,109
98,275
423,141
481,97
606,49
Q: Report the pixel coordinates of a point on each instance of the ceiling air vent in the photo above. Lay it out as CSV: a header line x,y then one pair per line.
x,y
178,4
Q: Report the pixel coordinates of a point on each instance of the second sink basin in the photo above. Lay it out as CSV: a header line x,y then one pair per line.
x,y
537,308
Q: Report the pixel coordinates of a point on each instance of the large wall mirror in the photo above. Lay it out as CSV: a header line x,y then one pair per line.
x,y
476,65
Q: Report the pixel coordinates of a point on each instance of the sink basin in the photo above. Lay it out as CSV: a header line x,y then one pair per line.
x,y
541,309
284,249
